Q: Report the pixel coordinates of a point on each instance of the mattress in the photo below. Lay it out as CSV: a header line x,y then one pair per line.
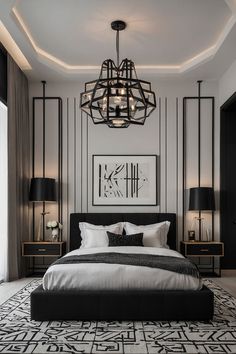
x,y
102,276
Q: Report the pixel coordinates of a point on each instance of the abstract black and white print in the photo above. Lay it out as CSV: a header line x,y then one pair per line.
x,y
124,180
18,334
119,180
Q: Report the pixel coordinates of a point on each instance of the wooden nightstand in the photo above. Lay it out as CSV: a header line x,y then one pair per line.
x,y
203,249
43,249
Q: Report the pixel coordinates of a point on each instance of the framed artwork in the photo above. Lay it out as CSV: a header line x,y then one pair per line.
x,y
124,180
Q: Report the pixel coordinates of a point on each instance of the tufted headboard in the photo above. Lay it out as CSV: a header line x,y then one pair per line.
x,y
112,218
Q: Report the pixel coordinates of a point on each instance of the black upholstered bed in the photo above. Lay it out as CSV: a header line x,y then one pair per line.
x,y
120,304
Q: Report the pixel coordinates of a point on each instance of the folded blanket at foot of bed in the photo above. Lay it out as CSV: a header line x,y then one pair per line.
x,y
173,264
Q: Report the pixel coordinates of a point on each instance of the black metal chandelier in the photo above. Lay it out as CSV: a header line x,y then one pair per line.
x,y
118,98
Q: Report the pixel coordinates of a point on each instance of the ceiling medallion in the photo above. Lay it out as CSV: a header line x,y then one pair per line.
x,y
118,98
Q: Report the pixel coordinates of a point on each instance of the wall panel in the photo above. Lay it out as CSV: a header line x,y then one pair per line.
x,y
161,135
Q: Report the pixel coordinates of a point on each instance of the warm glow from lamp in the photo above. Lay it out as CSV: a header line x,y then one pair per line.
x,y
118,122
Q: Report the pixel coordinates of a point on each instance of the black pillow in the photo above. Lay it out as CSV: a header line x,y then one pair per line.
x,y
125,240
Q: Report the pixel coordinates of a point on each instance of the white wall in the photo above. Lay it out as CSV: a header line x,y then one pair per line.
x,y
161,135
227,84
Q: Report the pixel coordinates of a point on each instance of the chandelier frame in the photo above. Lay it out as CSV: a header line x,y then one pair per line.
x,y
118,98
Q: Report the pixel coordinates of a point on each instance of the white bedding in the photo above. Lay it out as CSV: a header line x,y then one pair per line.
x,y
117,276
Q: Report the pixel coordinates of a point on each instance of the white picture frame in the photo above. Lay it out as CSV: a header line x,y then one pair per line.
x,y
124,180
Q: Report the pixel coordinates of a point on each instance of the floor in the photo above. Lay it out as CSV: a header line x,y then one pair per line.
x,y
227,282
9,289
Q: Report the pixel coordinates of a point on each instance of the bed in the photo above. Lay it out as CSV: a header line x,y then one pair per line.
x,y
121,304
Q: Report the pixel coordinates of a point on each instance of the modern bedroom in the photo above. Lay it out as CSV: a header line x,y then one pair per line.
x,y
117,177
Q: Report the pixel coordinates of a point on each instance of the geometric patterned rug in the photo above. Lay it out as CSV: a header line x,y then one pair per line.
x,y
20,335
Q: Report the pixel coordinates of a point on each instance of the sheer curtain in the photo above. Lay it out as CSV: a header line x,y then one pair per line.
x,y
3,194
18,167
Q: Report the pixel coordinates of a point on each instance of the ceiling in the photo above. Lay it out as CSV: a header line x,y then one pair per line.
x,y
63,39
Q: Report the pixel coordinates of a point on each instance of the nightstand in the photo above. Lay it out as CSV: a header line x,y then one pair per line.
x,y
43,249
204,249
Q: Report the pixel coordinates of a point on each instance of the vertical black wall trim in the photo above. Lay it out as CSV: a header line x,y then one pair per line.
x,y
166,152
213,162
44,113
184,166
60,164
87,152
177,156
75,150
33,166
67,166
33,175
160,157
81,162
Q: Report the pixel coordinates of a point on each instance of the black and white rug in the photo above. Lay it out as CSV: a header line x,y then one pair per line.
x,y
20,335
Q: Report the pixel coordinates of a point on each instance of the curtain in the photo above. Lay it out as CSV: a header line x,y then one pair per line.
x,y
3,194
18,166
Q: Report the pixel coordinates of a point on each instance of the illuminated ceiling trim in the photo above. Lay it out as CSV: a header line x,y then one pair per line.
x,y
13,49
189,64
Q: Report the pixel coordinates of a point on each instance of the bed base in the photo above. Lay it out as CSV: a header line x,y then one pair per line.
x,y
159,305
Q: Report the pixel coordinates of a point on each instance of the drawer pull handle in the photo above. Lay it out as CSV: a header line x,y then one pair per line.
x,y
204,250
41,249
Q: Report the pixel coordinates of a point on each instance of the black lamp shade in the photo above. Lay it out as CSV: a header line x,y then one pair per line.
x,y
42,190
201,198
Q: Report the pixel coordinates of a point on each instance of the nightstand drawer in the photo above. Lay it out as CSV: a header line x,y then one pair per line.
x,y
210,249
204,249
42,249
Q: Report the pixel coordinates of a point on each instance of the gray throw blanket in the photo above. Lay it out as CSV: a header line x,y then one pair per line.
x,y
173,264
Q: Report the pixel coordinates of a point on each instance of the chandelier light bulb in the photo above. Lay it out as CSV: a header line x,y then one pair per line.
x,y
118,122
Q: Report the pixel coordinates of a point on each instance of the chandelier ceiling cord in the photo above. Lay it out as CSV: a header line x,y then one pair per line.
x,y
118,98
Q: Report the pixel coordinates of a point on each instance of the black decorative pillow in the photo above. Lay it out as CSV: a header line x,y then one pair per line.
x,y
125,240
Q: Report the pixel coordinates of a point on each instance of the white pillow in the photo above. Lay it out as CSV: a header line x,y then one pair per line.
x,y
96,235
154,235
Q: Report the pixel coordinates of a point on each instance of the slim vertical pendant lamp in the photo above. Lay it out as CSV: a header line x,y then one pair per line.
x,y
201,140
201,198
199,155
42,189
118,98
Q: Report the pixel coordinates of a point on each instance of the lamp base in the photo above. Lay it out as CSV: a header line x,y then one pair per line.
x,y
200,227
41,221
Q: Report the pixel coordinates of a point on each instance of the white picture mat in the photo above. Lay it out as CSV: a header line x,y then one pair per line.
x,y
144,187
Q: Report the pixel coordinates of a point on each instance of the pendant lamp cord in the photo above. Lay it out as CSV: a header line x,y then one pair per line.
x,y
117,49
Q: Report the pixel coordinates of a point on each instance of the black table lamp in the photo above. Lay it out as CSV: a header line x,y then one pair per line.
x,y
201,199
42,190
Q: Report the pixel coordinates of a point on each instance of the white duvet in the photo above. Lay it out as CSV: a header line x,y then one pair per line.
x,y
102,276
